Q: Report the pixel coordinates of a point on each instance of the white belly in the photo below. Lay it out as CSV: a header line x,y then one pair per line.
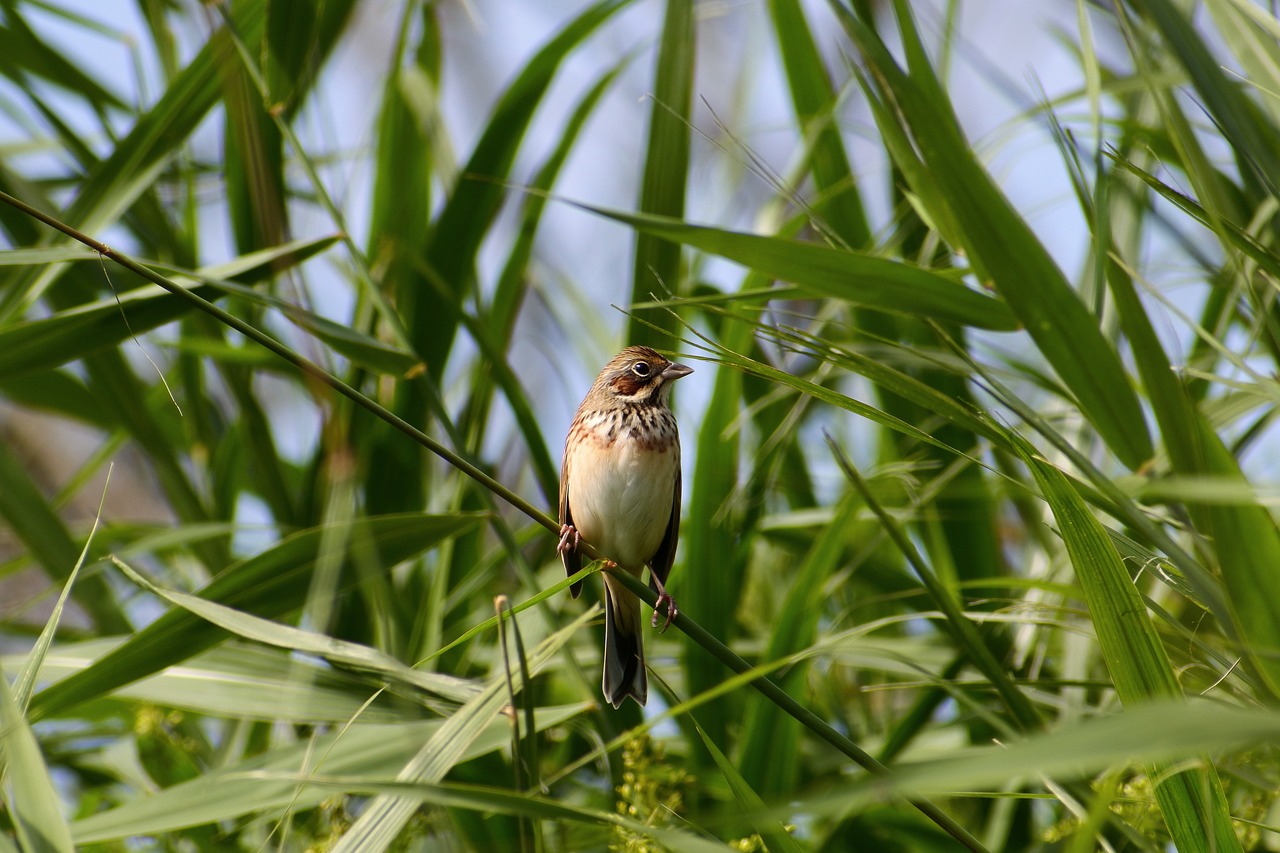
x,y
621,500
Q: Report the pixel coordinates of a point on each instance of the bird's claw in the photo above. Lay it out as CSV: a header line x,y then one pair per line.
x,y
664,597
569,539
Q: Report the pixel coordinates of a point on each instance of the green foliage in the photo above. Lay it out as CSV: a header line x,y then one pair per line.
x,y
978,550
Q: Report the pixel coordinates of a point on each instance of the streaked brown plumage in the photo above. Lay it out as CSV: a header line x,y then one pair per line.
x,y
620,492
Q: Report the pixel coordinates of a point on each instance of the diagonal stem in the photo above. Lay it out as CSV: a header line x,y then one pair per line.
x,y
695,631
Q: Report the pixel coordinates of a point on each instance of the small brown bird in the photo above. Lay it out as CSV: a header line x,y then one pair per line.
x,y
620,492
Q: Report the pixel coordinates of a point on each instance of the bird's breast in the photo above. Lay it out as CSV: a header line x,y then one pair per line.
x,y
623,482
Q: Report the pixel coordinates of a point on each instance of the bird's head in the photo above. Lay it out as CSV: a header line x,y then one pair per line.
x,y
639,375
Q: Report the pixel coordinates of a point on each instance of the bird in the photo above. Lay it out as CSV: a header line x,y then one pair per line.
x,y
620,493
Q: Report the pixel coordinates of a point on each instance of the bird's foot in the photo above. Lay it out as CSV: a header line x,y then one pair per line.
x,y
664,597
569,539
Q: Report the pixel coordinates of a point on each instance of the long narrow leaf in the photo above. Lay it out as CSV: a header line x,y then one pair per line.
x,y
861,279
1021,269
386,815
266,585
1191,801
29,793
656,264
269,783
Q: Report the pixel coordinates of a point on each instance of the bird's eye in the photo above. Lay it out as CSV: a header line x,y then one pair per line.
x,y
641,369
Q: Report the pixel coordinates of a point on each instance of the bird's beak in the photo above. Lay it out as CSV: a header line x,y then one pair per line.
x,y
675,371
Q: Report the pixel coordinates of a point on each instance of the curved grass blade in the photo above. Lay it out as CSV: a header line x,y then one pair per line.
x,y
405,151
26,54
1191,800
50,255
37,345
861,279
50,544
656,265
355,345
268,784
773,833
339,652
715,531
239,681
967,636
768,758
431,314
1021,269
1158,732
838,206
155,138
379,825
1246,539
269,584
1237,118
510,291
27,677
491,800
467,214
29,794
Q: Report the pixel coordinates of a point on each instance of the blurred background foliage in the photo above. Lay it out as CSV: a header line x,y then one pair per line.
x,y
978,457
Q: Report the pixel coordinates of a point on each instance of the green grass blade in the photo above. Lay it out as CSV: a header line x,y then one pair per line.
x,y
467,214
31,667
1160,732
254,163
1237,118
488,801
758,678
138,159
967,637
59,393
838,205
1250,32
33,346
34,522
773,833
513,282
1191,801
272,583
152,142
1020,267
270,783
509,295
1247,542
240,681
27,55
1228,232
338,652
769,752
360,348
379,825
1247,545
29,795
431,314
402,162
715,531
656,266
861,279
52,255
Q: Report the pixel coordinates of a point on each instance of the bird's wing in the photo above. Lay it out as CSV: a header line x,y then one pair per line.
x,y
660,565
571,558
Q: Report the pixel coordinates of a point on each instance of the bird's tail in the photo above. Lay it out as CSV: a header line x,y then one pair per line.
x,y
624,672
